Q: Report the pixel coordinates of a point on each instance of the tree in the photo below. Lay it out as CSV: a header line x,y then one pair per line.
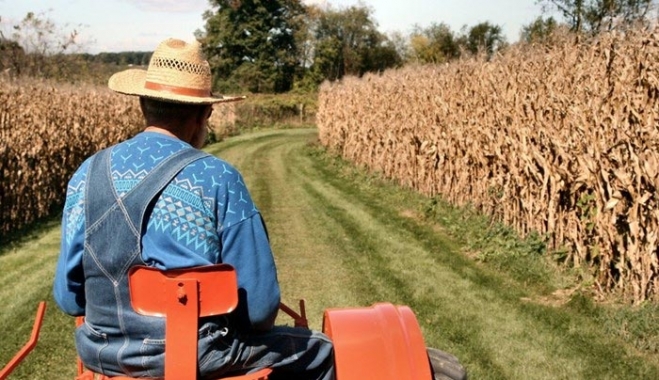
x,y
483,37
539,30
12,55
434,44
39,47
380,57
594,16
400,43
348,43
251,44
137,58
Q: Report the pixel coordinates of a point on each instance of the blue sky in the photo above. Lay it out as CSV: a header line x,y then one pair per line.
x,y
139,25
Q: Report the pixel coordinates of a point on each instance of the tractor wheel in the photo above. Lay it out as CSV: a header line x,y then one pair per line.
x,y
445,366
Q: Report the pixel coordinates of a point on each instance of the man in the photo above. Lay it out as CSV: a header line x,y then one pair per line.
x,y
157,200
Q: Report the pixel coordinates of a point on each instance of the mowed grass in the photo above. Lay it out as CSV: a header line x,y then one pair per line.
x,y
26,279
344,238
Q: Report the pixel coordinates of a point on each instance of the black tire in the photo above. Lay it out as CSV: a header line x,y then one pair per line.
x,y
445,366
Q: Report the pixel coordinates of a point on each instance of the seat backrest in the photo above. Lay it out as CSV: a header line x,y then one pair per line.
x,y
182,296
153,292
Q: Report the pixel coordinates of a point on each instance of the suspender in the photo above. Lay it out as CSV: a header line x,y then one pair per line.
x,y
100,195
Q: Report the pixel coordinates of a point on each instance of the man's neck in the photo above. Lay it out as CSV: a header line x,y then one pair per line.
x,y
164,131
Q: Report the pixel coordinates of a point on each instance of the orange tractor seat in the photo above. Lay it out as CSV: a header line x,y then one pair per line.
x,y
181,296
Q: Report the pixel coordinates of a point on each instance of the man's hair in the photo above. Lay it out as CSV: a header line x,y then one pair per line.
x,y
168,114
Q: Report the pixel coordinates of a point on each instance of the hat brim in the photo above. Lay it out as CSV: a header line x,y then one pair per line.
x,y
132,82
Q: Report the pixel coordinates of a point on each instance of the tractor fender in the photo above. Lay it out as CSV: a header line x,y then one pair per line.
x,y
378,342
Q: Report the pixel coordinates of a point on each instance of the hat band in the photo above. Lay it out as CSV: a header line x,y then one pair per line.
x,y
177,90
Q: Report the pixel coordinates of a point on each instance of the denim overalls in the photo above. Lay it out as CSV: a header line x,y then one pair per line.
x,y
114,340
112,246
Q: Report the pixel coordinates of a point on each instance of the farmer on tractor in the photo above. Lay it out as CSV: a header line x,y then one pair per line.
x,y
158,200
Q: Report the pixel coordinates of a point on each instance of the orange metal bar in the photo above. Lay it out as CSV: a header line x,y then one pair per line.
x,y
181,329
299,319
79,365
29,346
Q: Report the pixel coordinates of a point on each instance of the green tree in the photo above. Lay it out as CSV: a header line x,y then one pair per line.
x,y
594,16
539,30
347,42
305,40
380,57
251,44
434,44
483,37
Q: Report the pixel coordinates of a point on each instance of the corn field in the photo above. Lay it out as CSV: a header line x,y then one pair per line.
x,y
46,130
561,139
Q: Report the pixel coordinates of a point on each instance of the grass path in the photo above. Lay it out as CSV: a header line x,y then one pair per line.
x,y
345,239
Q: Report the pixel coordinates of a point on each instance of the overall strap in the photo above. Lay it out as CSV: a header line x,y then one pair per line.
x,y
135,202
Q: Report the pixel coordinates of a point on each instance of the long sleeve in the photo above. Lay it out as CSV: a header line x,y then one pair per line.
x,y
245,246
69,287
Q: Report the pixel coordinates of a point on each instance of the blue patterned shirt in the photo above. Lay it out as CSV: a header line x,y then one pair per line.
x,y
204,216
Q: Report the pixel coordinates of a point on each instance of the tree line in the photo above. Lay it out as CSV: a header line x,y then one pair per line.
x,y
274,46
38,47
280,45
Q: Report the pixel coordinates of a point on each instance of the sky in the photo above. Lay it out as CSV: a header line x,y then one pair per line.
x,y
139,25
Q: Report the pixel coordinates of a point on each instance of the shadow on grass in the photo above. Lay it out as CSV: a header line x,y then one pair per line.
x,y
28,233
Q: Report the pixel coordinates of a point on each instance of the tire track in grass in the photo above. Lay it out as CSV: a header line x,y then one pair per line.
x,y
397,270
359,236
505,337
308,268
342,241
349,254
26,279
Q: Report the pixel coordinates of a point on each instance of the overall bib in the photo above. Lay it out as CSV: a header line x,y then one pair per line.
x,y
114,339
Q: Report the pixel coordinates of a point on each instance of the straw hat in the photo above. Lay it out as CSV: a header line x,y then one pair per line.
x,y
178,72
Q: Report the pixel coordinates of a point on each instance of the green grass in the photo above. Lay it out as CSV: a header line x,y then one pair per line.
x,y
26,279
346,238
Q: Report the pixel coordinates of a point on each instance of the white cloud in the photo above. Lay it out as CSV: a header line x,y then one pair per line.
x,y
170,6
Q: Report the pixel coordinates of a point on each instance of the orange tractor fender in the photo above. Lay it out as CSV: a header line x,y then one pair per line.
x,y
379,342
